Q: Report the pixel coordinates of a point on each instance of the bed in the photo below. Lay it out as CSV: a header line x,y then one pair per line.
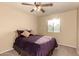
x,y
34,45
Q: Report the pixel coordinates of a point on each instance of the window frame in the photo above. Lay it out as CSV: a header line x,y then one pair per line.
x,y
54,27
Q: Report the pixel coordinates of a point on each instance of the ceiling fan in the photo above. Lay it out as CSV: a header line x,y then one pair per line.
x,y
38,6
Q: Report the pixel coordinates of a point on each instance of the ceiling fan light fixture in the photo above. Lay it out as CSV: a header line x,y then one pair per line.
x,y
37,8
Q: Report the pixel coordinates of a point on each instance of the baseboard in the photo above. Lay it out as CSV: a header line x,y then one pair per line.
x,y
66,45
6,50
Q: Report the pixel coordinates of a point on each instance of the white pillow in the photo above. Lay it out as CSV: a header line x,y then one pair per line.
x,y
25,33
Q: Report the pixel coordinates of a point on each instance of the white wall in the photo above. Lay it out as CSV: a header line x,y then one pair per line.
x,y
12,19
67,36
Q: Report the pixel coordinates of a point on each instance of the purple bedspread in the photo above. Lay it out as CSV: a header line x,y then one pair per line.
x,y
37,44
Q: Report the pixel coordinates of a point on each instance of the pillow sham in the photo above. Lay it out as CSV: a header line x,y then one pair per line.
x,y
21,31
26,34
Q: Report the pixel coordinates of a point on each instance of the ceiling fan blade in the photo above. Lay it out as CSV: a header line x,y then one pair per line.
x,y
27,4
32,10
42,10
45,5
34,3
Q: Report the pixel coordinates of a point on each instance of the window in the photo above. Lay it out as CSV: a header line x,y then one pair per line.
x,y
54,25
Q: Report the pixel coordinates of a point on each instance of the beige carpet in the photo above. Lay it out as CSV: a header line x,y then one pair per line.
x,y
60,51
65,51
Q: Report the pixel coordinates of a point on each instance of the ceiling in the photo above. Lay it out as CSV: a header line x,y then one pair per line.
x,y
56,8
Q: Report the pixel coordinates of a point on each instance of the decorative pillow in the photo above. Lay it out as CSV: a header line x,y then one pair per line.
x,y
21,31
25,33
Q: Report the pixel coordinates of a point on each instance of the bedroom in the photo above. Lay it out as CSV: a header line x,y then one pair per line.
x,y
15,16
